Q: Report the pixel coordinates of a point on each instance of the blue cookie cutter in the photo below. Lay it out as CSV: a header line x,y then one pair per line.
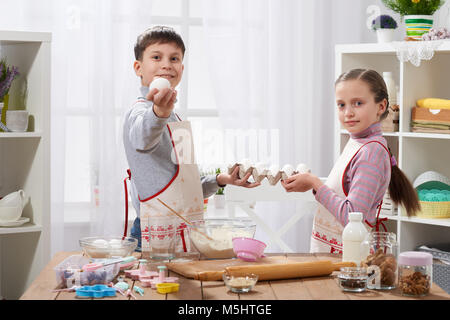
x,y
95,291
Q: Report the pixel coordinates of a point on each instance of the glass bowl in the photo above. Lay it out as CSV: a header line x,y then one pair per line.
x,y
240,283
353,279
222,232
108,247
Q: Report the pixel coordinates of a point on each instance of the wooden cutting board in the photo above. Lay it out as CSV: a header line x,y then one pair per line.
x,y
268,268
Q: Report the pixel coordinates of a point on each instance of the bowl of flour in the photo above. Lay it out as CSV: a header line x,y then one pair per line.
x,y
222,232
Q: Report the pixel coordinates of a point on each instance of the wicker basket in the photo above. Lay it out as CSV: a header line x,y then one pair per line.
x,y
434,209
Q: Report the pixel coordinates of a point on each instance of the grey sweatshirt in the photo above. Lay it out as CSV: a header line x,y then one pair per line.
x,y
148,150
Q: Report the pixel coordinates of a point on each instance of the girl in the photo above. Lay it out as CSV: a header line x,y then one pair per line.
x,y
365,168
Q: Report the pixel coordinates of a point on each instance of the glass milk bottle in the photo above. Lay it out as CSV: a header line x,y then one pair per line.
x,y
353,235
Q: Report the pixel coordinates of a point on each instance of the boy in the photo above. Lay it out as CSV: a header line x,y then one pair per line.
x,y
149,145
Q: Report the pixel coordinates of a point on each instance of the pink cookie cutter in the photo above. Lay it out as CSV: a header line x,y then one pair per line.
x,y
160,278
141,273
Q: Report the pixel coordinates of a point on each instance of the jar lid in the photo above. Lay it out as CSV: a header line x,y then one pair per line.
x,y
415,258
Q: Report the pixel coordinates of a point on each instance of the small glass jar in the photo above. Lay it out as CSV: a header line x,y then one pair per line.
x,y
380,250
415,273
353,279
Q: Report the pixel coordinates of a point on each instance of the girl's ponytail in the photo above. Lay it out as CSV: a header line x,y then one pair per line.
x,y
402,191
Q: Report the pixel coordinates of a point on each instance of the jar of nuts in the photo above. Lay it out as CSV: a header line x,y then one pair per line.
x,y
415,273
380,249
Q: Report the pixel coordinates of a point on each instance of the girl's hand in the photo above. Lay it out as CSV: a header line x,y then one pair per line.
x,y
163,101
301,182
233,179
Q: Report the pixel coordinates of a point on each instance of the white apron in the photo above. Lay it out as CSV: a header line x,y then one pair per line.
x,y
327,230
183,193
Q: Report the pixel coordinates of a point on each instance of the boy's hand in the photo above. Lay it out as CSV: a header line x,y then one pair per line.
x,y
163,101
233,179
301,182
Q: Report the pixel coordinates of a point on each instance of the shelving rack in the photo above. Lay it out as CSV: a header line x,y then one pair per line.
x,y
25,161
416,152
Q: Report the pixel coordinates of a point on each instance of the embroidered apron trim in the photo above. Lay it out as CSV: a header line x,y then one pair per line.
x,y
326,226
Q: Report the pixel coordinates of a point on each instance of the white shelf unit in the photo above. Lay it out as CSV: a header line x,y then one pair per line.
x,y
25,162
415,152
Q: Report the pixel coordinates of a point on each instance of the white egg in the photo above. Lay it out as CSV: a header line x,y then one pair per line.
x,y
288,169
274,169
159,83
246,163
101,243
260,167
302,168
115,243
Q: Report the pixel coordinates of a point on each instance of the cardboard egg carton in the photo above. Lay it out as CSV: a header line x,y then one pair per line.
x,y
273,174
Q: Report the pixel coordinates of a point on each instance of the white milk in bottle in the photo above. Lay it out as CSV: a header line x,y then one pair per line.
x,y
353,235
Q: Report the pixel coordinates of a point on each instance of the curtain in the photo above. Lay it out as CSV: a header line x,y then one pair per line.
x,y
272,67
92,78
271,64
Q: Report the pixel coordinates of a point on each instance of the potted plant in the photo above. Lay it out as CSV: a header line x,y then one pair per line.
x,y
219,197
7,75
384,25
418,14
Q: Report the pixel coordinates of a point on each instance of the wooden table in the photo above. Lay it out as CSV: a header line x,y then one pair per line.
x,y
317,288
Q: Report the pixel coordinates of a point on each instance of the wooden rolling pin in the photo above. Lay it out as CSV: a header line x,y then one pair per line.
x,y
279,270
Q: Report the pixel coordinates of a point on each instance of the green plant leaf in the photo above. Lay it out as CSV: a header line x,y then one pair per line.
x,y
408,7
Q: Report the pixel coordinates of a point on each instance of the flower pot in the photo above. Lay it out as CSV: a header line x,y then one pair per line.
x,y
219,201
417,25
385,35
3,109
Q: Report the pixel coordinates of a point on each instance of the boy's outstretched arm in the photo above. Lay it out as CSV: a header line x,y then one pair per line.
x,y
147,123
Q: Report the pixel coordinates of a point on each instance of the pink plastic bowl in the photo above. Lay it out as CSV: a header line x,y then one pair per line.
x,y
248,249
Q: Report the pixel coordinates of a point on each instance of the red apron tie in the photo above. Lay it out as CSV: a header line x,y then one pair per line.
x,y
126,201
378,221
182,237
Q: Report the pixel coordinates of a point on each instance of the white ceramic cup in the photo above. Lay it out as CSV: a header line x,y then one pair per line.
x,y
17,120
14,199
8,214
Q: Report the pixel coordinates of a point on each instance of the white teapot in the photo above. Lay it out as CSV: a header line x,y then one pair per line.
x,y
11,206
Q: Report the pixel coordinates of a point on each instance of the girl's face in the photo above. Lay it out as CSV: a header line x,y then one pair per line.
x,y
160,60
356,105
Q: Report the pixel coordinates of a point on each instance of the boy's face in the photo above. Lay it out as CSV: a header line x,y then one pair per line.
x,y
356,105
160,60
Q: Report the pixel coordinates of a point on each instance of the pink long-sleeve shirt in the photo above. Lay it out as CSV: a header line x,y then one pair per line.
x,y
366,179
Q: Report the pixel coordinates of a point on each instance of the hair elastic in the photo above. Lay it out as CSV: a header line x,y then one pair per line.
x,y
393,161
